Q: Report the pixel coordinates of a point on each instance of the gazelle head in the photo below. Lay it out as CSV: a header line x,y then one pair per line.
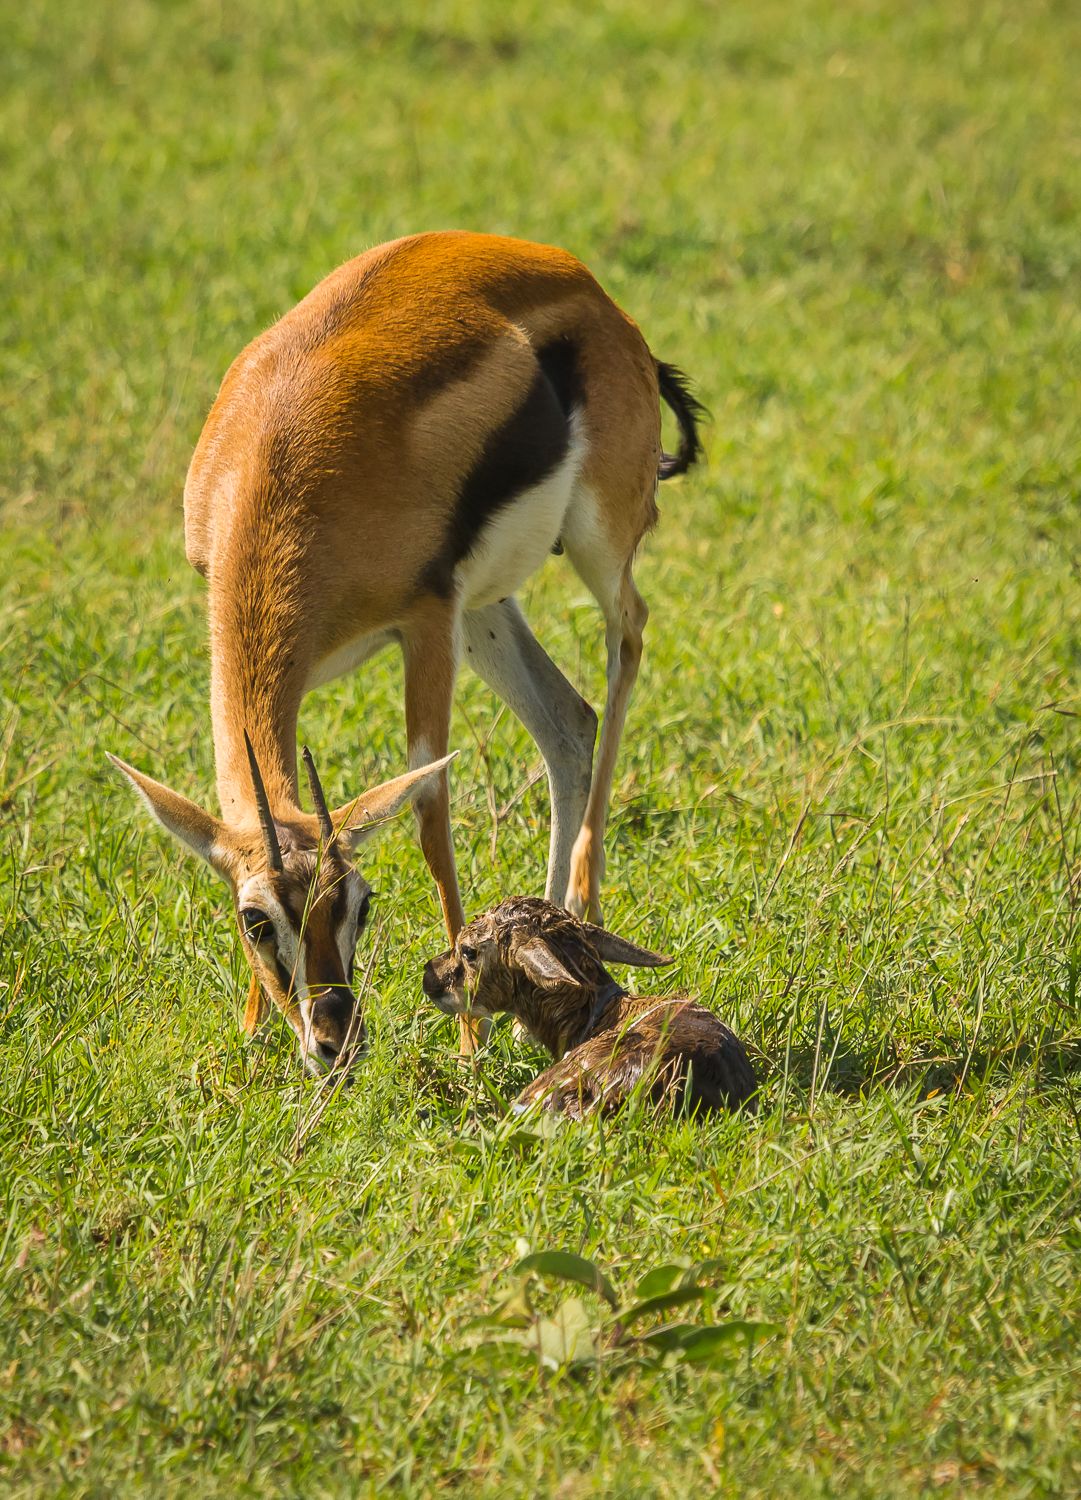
x,y
301,904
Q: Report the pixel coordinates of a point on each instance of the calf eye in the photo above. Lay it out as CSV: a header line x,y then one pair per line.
x,y
258,928
468,953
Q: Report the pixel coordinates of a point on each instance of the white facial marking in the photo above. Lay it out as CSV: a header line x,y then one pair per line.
x,y
289,950
347,934
256,892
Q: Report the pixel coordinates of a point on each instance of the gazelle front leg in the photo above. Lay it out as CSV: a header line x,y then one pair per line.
x,y
430,654
625,622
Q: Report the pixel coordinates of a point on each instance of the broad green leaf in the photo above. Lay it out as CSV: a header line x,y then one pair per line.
x,y
714,1346
671,1336
513,1312
535,1125
567,1338
569,1267
674,1298
522,1140
498,1320
505,1350
661,1279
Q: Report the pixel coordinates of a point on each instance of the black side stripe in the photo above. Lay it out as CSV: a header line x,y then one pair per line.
x,y
520,454
559,361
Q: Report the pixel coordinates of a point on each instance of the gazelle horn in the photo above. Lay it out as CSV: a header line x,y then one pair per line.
x,y
266,820
322,811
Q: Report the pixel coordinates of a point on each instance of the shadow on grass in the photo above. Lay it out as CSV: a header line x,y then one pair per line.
x,y
852,1073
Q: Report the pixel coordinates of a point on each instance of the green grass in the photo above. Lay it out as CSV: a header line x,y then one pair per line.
x,y
848,799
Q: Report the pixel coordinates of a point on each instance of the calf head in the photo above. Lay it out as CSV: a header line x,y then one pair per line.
x,y
532,959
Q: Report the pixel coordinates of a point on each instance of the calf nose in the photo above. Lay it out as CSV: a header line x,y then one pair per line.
x,y
433,982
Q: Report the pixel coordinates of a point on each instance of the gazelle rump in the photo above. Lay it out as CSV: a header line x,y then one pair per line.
x,y
388,464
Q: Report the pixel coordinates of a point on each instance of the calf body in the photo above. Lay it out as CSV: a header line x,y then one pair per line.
x,y
533,960
672,1052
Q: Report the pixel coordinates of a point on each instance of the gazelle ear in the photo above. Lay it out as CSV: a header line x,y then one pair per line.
x,y
256,1007
617,950
539,964
356,821
200,831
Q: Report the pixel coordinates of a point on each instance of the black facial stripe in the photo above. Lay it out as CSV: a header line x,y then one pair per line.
x,y
293,904
285,979
531,443
339,905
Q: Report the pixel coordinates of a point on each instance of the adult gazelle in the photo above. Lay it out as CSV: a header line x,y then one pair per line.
x,y
389,463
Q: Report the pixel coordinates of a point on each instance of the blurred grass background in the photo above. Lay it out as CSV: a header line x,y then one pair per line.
x,y
848,797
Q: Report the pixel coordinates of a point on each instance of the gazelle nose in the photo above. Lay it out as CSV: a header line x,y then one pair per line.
x,y
336,1022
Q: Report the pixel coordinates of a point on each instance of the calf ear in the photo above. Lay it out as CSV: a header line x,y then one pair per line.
x,y
617,950
356,821
200,831
538,963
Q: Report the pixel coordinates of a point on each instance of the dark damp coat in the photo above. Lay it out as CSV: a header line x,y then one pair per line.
x,y
670,1052
532,960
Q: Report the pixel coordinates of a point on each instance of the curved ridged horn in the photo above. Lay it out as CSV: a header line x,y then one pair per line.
x,y
266,820
319,802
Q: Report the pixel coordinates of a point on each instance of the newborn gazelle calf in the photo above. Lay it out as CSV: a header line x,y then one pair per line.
x,y
535,961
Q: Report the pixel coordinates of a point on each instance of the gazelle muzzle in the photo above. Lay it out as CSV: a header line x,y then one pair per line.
x,y
338,1035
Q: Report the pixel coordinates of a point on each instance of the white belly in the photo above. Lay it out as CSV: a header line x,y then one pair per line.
x,y
520,536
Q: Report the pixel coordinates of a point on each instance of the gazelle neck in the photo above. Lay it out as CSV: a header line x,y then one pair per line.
x,y
259,655
266,704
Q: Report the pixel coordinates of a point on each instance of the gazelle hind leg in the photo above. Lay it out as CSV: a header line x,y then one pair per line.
x,y
625,619
504,652
430,654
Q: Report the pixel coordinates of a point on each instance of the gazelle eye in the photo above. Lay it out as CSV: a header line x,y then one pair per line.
x,y
362,911
258,928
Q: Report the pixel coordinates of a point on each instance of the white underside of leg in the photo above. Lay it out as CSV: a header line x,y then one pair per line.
x,y
589,546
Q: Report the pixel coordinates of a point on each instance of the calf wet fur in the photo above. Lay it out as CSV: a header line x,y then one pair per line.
x,y
538,963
